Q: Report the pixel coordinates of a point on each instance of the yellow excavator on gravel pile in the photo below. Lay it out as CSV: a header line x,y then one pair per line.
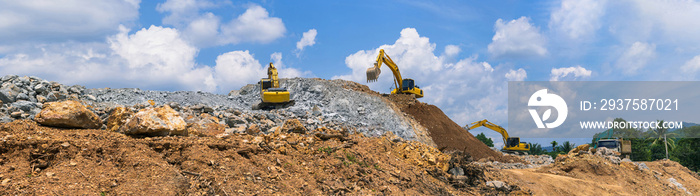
x,y
403,86
272,96
511,144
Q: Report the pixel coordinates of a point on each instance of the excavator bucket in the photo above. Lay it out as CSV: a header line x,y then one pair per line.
x,y
373,73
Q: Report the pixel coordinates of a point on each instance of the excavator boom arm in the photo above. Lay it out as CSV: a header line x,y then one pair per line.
x,y
487,124
373,72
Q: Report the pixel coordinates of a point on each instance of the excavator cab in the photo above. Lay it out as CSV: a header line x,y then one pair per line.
x,y
408,84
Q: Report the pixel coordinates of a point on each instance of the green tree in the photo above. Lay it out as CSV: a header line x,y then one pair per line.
x,y
657,151
657,135
535,149
488,141
567,146
640,149
687,152
554,146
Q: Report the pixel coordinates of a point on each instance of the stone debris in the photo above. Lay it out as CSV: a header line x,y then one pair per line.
x,y
498,185
319,103
158,121
675,184
68,114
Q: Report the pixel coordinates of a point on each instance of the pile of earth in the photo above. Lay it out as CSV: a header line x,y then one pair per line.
x,y
601,171
447,135
38,160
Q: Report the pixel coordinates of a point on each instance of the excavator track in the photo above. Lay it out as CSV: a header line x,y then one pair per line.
x,y
272,106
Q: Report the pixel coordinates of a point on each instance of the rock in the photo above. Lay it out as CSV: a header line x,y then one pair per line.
x,y
68,114
52,96
207,109
580,148
5,182
233,121
642,166
497,185
456,171
7,95
253,129
208,126
603,151
294,126
614,159
316,111
158,121
5,119
675,184
90,98
40,98
22,96
17,114
40,88
118,117
24,105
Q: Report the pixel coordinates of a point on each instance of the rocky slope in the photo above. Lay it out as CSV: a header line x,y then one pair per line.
x,y
339,138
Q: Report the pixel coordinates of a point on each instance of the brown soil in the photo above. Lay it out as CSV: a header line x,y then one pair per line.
x,y
592,175
447,135
37,160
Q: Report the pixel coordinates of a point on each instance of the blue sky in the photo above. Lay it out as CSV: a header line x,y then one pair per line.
x,y
461,52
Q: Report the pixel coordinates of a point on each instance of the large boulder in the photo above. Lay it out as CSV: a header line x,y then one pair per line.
x,y
294,126
67,114
118,117
160,121
208,126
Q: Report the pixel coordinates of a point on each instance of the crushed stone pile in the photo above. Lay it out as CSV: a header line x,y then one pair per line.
x,y
319,103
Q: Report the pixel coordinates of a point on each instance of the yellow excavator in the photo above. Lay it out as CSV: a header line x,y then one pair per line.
x,y
511,144
271,95
403,86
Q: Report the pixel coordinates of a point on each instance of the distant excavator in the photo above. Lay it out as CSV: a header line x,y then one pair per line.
x,y
511,144
403,86
271,94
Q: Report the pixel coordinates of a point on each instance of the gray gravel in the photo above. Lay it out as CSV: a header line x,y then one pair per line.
x,y
318,103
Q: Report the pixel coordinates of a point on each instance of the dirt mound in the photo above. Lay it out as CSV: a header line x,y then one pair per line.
x,y
38,160
447,135
586,174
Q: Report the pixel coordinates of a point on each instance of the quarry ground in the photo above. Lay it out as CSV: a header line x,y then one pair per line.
x,y
359,142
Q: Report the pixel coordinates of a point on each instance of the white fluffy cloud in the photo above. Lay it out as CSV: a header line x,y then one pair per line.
x,y
155,58
63,20
481,88
517,38
237,68
569,73
452,50
635,58
308,39
577,19
675,21
516,75
255,25
690,69
207,29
